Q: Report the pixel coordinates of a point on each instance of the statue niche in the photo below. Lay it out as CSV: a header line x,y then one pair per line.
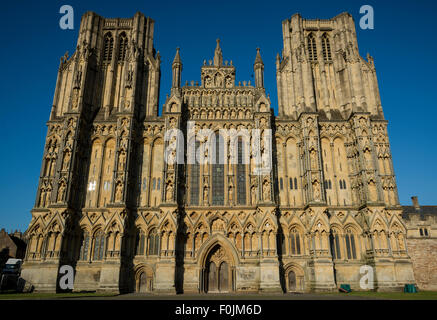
x,y
61,192
253,194
118,192
169,191
266,190
66,162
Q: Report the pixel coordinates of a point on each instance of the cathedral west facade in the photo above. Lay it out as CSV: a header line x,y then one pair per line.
x,y
110,204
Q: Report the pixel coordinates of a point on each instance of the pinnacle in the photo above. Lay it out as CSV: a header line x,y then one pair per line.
x,y
177,58
218,57
258,57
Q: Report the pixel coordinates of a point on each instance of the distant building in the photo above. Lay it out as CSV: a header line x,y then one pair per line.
x,y
421,222
12,245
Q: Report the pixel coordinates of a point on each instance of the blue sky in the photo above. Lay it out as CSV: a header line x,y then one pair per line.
x,y
403,43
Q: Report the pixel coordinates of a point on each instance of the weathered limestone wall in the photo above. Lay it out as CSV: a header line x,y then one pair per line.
x,y
423,253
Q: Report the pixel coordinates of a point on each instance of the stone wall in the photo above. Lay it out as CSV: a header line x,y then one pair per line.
x,y
423,253
421,222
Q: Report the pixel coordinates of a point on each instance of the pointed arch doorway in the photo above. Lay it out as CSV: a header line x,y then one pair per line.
x,y
218,274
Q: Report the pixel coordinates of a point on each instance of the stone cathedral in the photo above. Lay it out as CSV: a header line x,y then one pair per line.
x,y
126,220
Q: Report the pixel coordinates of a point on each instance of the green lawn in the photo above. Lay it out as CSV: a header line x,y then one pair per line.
x,y
18,296
421,295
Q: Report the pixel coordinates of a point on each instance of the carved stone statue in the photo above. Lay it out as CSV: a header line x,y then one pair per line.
x,y
75,99
121,160
401,242
208,82
313,156
42,198
61,192
126,104
129,79
69,142
253,194
47,199
171,160
118,192
52,168
266,191
231,194
205,194
316,190
169,192
66,160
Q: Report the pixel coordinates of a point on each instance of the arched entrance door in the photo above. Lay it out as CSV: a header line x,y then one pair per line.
x,y
291,281
218,271
145,281
212,277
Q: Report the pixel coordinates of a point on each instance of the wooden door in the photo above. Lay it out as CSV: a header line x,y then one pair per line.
x,y
143,282
212,277
291,281
224,277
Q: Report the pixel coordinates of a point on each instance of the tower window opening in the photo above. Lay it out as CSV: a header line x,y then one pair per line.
x,y
312,49
326,47
108,47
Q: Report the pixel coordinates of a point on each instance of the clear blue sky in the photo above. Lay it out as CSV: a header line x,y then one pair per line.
x,y
403,44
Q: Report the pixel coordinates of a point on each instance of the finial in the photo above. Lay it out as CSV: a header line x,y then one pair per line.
x,y
218,57
177,57
258,59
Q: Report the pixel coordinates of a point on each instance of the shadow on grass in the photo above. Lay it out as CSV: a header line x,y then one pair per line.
x,y
48,296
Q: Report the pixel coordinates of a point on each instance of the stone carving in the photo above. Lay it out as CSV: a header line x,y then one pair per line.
x,y
313,156
169,191
118,192
129,79
316,190
75,99
218,225
231,194
127,104
171,160
205,194
61,192
121,160
253,195
66,160
266,190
